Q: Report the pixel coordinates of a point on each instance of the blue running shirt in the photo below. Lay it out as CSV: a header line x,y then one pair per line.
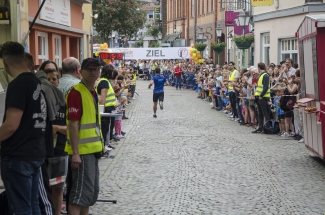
x,y
159,82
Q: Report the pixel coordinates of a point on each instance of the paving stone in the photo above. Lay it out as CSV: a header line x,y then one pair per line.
x,y
193,160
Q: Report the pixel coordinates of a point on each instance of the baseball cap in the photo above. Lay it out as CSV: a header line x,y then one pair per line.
x,y
88,61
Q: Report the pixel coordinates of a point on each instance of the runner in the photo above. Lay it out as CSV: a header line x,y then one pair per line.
x,y
158,92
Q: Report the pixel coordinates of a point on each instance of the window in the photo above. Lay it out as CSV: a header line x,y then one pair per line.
x,y
192,14
42,47
289,49
58,50
266,48
150,14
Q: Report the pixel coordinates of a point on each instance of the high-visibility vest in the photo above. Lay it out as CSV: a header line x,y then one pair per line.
x,y
110,99
259,87
89,134
231,78
134,78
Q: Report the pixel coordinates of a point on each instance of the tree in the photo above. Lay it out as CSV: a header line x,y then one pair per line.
x,y
125,17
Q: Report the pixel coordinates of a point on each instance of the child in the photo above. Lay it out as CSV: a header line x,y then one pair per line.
x,y
120,107
279,112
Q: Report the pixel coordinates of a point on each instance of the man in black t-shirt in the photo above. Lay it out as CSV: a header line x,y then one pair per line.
x,y
22,132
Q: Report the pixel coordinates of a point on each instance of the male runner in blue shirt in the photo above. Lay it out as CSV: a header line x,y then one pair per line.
x,y
158,92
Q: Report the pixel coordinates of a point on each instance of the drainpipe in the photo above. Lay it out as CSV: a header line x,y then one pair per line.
x,y
277,4
195,19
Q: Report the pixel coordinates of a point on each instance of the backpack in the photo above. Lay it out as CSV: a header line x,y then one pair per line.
x,y
271,127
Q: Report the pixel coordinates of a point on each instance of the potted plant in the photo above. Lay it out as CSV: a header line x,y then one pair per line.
x,y
243,41
200,46
139,43
218,47
154,44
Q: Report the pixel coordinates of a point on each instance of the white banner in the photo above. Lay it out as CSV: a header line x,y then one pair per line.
x,y
153,53
57,11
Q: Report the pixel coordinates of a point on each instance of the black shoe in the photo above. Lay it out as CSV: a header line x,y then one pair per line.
x,y
124,117
257,131
110,146
123,133
154,115
129,102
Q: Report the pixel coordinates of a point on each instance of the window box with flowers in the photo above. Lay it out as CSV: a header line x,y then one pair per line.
x,y
218,47
243,41
200,46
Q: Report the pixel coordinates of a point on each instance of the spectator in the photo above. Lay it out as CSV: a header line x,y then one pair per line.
x,y
233,78
289,64
262,95
178,75
71,74
84,127
22,132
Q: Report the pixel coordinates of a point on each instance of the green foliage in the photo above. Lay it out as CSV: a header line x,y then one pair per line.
x,y
218,45
154,44
139,43
200,46
248,38
153,30
125,17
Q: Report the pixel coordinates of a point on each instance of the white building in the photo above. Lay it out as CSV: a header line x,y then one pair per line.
x,y
275,27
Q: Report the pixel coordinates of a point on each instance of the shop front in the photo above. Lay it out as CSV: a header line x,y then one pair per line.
x,y
57,32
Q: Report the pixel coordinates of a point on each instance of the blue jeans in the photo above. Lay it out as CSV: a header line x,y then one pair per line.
x,y
178,82
220,102
21,179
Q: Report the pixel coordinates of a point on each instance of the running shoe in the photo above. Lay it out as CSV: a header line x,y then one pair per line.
x,y
154,115
161,106
285,134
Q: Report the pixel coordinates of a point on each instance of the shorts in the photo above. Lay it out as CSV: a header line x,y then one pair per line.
x,y
288,114
251,103
158,96
245,101
57,170
85,182
280,117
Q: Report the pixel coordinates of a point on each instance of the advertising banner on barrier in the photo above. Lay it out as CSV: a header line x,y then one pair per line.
x,y
153,53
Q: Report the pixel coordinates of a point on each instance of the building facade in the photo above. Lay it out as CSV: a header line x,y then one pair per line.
x,y
58,31
275,28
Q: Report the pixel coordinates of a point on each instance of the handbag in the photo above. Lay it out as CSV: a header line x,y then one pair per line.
x,y
290,104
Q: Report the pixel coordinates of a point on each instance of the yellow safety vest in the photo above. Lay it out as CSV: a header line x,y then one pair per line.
x,y
231,78
110,99
259,87
89,134
134,78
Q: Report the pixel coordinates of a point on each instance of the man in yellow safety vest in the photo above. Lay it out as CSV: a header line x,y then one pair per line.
x,y
262,95
84,139
233,78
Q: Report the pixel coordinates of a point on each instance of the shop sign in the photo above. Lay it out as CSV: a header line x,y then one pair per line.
x,y
57,11
257,3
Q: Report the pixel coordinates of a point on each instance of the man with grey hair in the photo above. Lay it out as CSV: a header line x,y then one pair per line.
x,y
70,74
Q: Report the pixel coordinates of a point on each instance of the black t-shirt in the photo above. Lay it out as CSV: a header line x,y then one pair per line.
x,y
103,84
61,139
27,143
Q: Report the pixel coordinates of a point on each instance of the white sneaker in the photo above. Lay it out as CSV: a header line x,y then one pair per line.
x,y
107,148
301,140
132,98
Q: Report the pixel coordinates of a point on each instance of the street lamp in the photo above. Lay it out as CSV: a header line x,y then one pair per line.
x,y
200,34
243,21
218,32
159,35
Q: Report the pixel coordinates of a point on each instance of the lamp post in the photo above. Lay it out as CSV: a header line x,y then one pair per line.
x,y
243,21
218,33
159,35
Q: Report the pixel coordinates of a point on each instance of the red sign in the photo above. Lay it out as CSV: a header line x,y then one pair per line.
x,y
113,56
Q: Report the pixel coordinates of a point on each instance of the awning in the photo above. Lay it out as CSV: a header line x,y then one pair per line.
x,y
171,37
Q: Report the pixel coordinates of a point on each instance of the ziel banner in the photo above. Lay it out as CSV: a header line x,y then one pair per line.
x,y
257,3
153,53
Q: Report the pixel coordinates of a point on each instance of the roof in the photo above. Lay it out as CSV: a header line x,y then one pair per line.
x,y
308,26
170,37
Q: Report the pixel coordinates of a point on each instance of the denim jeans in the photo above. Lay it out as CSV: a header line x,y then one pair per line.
x,y
239,110
21,179
220,102
178,82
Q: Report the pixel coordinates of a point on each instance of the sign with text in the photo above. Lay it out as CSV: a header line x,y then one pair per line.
x,y
257,3
112,56
57,11
153,53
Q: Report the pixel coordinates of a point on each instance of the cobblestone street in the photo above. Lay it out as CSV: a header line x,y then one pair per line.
x,y
194,160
